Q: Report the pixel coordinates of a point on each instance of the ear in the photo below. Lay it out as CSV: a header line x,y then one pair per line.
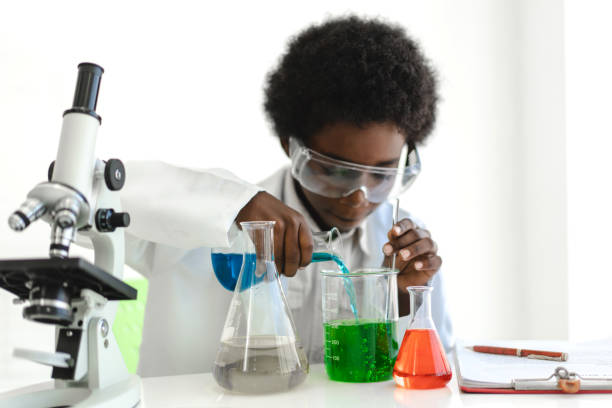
x,y
285,145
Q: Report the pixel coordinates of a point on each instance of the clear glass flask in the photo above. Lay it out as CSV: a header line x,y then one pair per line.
x,y
360,347
421,362
259,350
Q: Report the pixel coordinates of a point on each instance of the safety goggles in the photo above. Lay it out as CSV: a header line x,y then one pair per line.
x,y
334,178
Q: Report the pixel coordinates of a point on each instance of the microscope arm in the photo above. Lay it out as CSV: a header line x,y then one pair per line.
x,y
109,246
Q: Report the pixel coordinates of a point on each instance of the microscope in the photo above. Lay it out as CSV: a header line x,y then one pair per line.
x,y
80,199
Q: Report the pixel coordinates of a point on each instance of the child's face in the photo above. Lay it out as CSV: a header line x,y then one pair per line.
x,y
375,144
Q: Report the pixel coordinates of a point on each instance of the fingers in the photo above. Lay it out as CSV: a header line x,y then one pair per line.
x,y
405,240
419,271
401,227
416,254
420,247
292,250
306,244
427,263
409,244
279,245
293,244
421,255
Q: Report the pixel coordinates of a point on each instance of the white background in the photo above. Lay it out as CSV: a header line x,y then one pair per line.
x,y
514,185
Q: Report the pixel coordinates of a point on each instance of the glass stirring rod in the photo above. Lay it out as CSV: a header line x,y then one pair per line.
x,y
395,217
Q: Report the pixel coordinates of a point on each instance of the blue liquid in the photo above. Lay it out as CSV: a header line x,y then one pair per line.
x,y
324,256
227,270
348,284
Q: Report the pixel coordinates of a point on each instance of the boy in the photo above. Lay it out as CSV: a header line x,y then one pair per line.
x,y
349,101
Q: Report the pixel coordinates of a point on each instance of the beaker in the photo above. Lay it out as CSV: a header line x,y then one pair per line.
x,y
421,362
327,246
259,350
360,348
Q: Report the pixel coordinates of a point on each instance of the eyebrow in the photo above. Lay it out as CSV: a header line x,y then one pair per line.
x,y
379,164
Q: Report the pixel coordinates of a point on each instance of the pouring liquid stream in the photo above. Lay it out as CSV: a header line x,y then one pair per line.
x,y
348,284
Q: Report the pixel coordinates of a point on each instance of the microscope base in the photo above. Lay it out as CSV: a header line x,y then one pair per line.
x,y
125,394
103,379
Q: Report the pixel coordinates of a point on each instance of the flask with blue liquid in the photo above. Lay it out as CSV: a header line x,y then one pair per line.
x,y
227,262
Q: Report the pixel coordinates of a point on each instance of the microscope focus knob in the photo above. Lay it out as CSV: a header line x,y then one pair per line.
x,y
107,220
114,174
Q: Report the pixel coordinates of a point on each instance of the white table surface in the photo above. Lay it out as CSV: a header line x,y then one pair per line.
x,y
201,391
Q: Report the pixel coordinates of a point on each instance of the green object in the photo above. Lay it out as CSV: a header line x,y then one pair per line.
x,y
363,351
127,327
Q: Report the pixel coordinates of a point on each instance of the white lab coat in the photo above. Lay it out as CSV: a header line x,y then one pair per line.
x,y
177,216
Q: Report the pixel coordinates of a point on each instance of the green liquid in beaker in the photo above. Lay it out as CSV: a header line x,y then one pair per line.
x,y
363,351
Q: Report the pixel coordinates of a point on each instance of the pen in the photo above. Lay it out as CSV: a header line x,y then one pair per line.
x,y
537,354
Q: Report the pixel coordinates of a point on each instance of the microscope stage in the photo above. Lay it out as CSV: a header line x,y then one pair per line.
x,y
72,273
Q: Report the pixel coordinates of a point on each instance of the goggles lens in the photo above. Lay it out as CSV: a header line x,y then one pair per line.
x,y
334,178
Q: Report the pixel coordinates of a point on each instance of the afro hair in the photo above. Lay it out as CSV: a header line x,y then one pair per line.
x,y
351,70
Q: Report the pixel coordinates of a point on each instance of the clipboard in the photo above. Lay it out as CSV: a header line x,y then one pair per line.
x,y
561,379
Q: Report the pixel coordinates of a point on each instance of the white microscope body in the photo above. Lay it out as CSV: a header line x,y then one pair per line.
x,y
81,197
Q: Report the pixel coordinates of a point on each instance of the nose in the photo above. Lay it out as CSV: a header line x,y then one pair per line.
x,y
356,199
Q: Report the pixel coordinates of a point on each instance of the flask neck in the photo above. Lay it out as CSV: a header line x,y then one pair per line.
x,y
328,242
261,239
420,307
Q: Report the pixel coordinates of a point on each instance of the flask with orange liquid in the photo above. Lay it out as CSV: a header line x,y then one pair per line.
x,y
421,362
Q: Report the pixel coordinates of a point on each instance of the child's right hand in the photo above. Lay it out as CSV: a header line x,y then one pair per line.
x,y
293,242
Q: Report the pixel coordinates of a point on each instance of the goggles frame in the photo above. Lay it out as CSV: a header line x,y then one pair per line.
x,y
408,168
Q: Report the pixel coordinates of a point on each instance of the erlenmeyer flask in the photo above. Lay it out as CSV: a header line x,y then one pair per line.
x,y
259,350
421,361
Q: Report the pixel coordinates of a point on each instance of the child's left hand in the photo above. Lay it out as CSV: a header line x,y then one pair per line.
x,y
417,259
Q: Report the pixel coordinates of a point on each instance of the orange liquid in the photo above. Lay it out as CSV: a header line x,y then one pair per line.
x,y
421,362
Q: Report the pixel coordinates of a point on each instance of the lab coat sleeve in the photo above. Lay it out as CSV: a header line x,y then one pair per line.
x,y
179,207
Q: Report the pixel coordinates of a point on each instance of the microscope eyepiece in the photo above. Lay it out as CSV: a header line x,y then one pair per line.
x,y
86,91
